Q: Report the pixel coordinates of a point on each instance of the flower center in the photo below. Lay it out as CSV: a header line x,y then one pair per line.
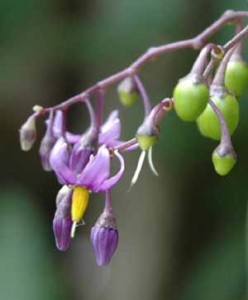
x,y
80,200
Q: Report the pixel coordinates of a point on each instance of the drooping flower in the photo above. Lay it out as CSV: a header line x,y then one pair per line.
x,y
94,177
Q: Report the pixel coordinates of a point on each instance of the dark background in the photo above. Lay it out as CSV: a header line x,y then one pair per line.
x,y
182,235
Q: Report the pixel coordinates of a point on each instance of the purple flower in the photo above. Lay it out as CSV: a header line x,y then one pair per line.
x,y
95,176
109,131
62,222
104,238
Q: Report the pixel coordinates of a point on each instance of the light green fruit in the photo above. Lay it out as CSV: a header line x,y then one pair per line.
x,y
223,164
128,98
146,141
190,99
209,124
236,77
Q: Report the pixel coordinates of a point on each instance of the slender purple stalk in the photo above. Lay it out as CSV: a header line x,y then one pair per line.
x,y
143,94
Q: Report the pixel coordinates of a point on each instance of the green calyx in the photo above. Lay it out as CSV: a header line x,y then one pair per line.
x,y
146,141
128,98
190,98
223,164
236,77
209,124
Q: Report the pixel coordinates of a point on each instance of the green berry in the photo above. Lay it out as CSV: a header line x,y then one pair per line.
x,y
209,124
223,164
236,77
128,93
190,98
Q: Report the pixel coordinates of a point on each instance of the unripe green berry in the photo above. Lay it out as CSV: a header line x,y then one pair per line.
x,y
190,98
209,124
223,163
127,91
236,77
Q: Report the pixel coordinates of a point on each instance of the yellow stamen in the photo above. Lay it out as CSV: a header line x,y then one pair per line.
x,y
80,200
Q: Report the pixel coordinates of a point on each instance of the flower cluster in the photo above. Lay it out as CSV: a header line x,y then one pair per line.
x,y
82,162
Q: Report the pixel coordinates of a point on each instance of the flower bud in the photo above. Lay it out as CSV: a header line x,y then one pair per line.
x,y
28,134
128,93
62,222
46,146
191,96
236,76
104,238
223,159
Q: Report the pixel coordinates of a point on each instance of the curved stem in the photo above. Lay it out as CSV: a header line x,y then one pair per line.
x,y
143,94
99,110
225,136
194,43
108,202
220,74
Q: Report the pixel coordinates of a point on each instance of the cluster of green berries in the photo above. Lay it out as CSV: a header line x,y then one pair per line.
x,y
192,97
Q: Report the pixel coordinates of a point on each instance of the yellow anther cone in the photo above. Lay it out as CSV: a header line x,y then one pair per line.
x,y
80,200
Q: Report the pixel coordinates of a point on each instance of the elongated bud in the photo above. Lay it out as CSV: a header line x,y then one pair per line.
x,y
47,144
224,159
62,222
104,238
128,92
28,134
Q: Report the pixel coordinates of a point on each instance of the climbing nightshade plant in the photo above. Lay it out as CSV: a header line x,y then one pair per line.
x,y
207,95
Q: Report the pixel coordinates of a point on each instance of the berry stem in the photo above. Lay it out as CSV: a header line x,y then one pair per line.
x,y
196,42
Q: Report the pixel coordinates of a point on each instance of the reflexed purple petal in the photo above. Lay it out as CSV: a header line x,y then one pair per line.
x,y
72,138
104,241
59,160
46,145
96,171
58,124
108,183
79,157
110,131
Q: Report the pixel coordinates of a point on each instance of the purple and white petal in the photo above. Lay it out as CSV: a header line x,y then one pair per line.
x,y
108,183
110,131
96,171
59,160
79,157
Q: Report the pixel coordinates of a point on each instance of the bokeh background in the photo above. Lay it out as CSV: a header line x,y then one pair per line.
x,y
182,235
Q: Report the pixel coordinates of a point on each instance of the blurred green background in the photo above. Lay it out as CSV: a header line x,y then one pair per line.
x,y
182,236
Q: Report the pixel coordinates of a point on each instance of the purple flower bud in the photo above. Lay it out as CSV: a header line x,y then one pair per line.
x,y
47,144
104,238
28,134
62,222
